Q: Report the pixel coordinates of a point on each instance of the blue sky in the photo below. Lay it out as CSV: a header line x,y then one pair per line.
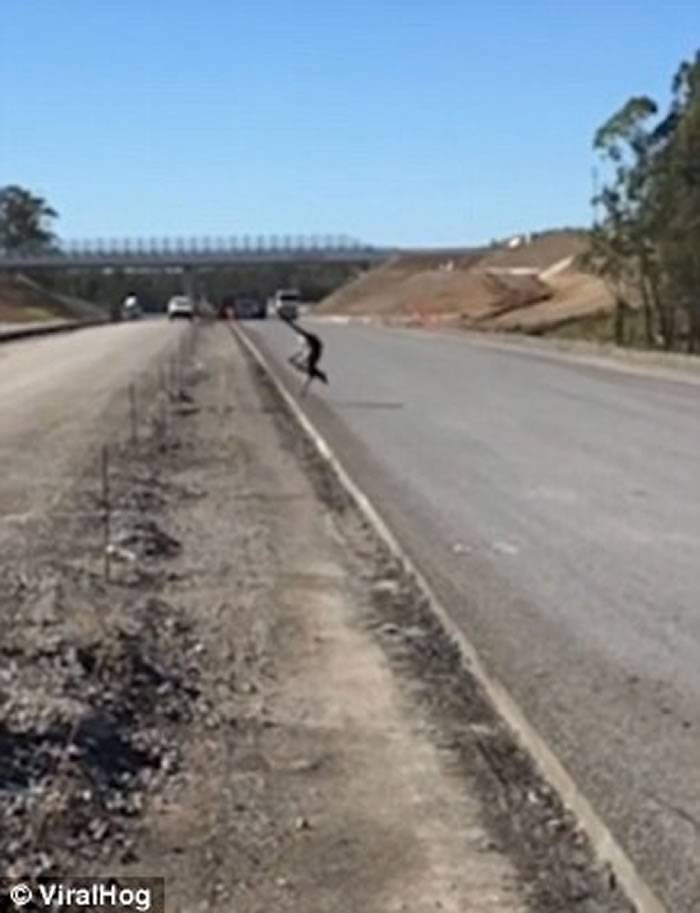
x,y
407,122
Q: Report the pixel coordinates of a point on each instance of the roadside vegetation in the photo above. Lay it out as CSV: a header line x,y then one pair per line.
x,y
645,244
26,220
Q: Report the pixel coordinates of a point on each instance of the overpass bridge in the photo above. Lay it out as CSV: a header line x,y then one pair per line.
x,y
192,253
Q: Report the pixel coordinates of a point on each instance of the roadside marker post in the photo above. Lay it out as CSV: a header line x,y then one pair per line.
x,y
132,414
107,526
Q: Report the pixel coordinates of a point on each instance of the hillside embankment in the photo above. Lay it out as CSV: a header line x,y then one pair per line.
x,y
533,285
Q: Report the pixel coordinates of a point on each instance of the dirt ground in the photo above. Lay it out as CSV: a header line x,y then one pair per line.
x,y
23,301
479,290
250,699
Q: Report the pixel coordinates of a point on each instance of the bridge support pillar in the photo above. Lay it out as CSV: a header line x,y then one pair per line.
x,y
189,282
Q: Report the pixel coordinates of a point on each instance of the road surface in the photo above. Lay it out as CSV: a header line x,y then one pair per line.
x,y
555,507
55,392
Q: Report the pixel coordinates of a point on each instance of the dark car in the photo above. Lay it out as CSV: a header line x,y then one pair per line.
x,y
249,309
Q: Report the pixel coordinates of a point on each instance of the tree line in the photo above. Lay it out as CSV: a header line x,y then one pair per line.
x,y
25,220
645,242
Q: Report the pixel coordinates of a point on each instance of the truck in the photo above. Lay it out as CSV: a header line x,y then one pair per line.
x,y
285,303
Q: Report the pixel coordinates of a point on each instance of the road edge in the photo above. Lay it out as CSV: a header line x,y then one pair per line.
x,y
31,332
604,844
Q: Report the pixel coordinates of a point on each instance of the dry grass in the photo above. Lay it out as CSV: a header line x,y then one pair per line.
x,y
21,303
24,301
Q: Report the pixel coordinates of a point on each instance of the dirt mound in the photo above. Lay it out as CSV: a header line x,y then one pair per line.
x,y
406,286
377,291
531,284
538,252
511,293
25,301
575,295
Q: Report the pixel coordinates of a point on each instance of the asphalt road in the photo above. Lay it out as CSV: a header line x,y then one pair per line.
x,y
56,393
555,507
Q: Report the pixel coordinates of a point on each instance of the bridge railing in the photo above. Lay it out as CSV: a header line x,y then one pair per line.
x,y
204,252
194,247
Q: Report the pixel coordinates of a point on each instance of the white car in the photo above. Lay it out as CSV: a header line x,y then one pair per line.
x,y
180,306
131,308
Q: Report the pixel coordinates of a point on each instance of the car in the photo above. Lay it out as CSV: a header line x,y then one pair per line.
x,y
286,303
131,309
132,313
180,307
249,309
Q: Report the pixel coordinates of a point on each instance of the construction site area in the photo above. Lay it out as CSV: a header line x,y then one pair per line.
x,y
532,284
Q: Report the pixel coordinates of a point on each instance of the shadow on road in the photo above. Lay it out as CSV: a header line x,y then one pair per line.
x,y
359,404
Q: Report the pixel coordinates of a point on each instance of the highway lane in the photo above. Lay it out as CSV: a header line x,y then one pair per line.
x,y
58,396
555,507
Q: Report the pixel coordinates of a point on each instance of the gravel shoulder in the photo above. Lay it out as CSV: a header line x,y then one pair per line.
x,y
59,396
255,703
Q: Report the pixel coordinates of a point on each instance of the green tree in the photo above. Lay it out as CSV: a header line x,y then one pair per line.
x,y
677,196
25,220
647,244
622,252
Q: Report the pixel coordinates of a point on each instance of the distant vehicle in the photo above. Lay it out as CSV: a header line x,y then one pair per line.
x,y
180,307
286,303
226,308
131,308
249,309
